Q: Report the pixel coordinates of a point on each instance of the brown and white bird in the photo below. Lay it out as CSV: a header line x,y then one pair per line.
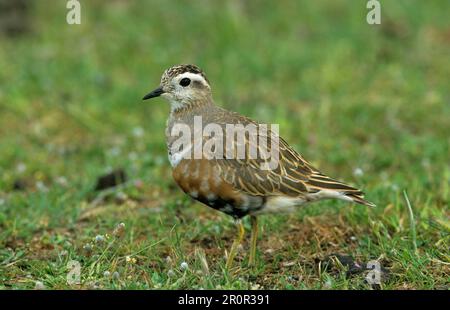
x,y
233,185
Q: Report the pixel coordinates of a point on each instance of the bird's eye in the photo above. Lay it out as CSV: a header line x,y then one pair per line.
x,y
185,82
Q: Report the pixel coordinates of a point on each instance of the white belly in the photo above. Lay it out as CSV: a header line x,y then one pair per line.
x,y
281,204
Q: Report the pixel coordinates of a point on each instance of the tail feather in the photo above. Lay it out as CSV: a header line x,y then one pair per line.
x,y
336,189
359,198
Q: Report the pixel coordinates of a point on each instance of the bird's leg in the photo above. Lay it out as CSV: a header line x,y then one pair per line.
x,y
236,243
254,221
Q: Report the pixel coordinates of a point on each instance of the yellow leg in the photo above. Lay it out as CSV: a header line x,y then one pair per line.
x,y
254,221
236,243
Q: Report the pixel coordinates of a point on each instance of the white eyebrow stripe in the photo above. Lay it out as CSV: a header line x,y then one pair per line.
x,y
193,77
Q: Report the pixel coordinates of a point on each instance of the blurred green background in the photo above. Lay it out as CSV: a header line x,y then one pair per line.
x,y
369,104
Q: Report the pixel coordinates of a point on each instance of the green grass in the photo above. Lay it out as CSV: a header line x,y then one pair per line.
x,y
347,95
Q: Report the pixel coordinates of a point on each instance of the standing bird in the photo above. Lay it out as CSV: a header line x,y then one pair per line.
x,y
237,186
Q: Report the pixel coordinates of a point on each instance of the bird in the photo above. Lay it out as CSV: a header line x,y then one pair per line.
x,y
237,186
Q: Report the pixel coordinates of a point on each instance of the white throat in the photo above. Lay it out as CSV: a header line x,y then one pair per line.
x,y
175,105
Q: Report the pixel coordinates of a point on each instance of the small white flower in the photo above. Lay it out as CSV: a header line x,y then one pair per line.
x,y
168,260
107,274
93,285
121,196
41,186
21,167
132,156
39,285
61,181
115,275
99,239
138,132
2,201
426,162
358,172
184,266
171,273
87,247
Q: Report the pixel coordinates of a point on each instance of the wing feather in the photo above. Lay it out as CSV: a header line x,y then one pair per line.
x,y
293,177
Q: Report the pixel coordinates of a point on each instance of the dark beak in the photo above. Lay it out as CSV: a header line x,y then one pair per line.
x,y
156,93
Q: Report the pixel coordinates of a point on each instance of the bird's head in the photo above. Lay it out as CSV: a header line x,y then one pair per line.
x,y
183,85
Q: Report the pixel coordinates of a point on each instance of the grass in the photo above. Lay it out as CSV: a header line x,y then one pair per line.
x,y
366,104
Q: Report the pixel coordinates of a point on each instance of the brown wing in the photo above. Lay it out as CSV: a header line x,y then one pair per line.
x,y
289,176
293,176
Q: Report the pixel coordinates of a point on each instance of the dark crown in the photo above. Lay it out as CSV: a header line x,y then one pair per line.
x,y
180,69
